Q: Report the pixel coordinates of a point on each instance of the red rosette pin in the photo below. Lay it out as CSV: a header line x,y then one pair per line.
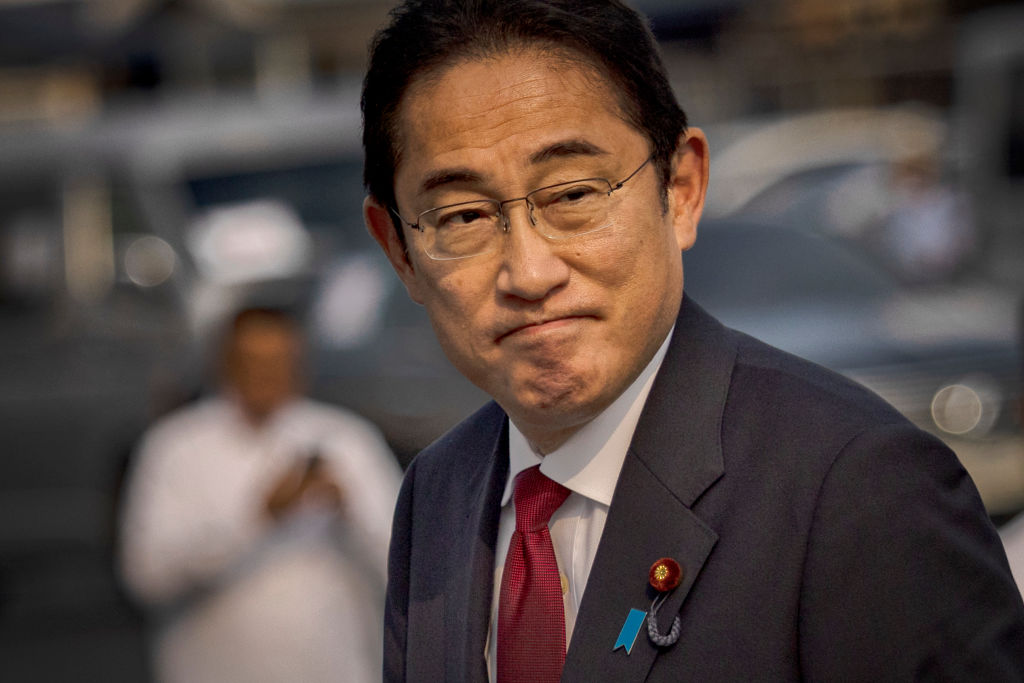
x,y
665,574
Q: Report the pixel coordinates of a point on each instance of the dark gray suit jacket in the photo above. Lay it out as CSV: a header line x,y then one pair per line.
x,y
822,537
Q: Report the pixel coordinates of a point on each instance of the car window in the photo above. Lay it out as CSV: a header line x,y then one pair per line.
x,y
753,265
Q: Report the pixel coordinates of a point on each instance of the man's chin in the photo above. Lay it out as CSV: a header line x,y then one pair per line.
x,y
553,409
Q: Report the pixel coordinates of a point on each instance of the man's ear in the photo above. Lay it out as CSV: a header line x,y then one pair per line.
x,y
382,228
688,186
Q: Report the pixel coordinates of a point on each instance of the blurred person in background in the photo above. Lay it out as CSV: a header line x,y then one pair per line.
x,y
650,496
928,234
256,523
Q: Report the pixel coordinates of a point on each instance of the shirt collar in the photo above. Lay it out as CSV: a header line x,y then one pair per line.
x,y
588,463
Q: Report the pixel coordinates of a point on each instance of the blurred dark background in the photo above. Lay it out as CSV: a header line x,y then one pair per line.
x,y
164,161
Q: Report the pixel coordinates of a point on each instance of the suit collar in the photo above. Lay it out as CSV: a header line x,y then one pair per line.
x,y
678,436
675,456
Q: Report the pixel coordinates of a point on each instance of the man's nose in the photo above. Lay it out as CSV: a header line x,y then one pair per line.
x,y
507,220
531,267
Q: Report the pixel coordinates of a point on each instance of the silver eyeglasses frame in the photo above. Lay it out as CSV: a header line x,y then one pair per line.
x,y
500,204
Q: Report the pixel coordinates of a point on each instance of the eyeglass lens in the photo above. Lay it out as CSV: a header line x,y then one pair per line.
x,y
558,212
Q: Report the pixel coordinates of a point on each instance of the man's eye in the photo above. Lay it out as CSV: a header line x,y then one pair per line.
x,y
574,195
455,219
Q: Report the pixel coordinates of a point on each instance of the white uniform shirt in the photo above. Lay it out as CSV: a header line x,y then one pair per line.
x,y
588,464
298,600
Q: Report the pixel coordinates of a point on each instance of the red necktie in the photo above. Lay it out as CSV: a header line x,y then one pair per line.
x,y
531,619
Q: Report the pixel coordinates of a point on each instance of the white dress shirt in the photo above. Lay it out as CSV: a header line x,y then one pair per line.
x,y
588,464
251,599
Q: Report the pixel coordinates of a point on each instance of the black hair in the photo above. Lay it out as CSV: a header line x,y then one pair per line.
x,y
424,35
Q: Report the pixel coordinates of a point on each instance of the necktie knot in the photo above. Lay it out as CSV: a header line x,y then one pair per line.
x,y
536,498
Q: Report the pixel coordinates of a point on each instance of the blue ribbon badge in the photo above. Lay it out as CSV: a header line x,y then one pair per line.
x,y
630,630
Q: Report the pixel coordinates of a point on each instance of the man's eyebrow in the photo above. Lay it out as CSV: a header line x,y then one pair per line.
x,y
446,176
566,148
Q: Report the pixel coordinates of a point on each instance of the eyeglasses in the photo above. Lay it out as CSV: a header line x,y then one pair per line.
x,y
558,212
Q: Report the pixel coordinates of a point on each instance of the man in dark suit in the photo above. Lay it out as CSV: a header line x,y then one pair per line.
x,y
721,510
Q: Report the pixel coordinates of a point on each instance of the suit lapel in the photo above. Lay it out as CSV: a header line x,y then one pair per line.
x,y
674,458
468,608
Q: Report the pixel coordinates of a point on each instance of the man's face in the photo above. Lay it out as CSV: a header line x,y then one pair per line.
x,y
553,330
263,367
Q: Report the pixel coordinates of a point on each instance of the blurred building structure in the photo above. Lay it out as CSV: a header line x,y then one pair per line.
x,y
781,54
64,63
125,123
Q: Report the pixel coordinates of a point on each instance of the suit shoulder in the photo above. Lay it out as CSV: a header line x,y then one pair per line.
x,y
805,390
784,413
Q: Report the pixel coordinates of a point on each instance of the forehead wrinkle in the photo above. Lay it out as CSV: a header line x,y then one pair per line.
x,y
506,105
476,130
509,115
489,116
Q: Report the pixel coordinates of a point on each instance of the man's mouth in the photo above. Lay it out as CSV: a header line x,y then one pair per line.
x,y
539,326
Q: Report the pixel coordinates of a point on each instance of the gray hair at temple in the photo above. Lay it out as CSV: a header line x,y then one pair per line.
x,y
426,35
